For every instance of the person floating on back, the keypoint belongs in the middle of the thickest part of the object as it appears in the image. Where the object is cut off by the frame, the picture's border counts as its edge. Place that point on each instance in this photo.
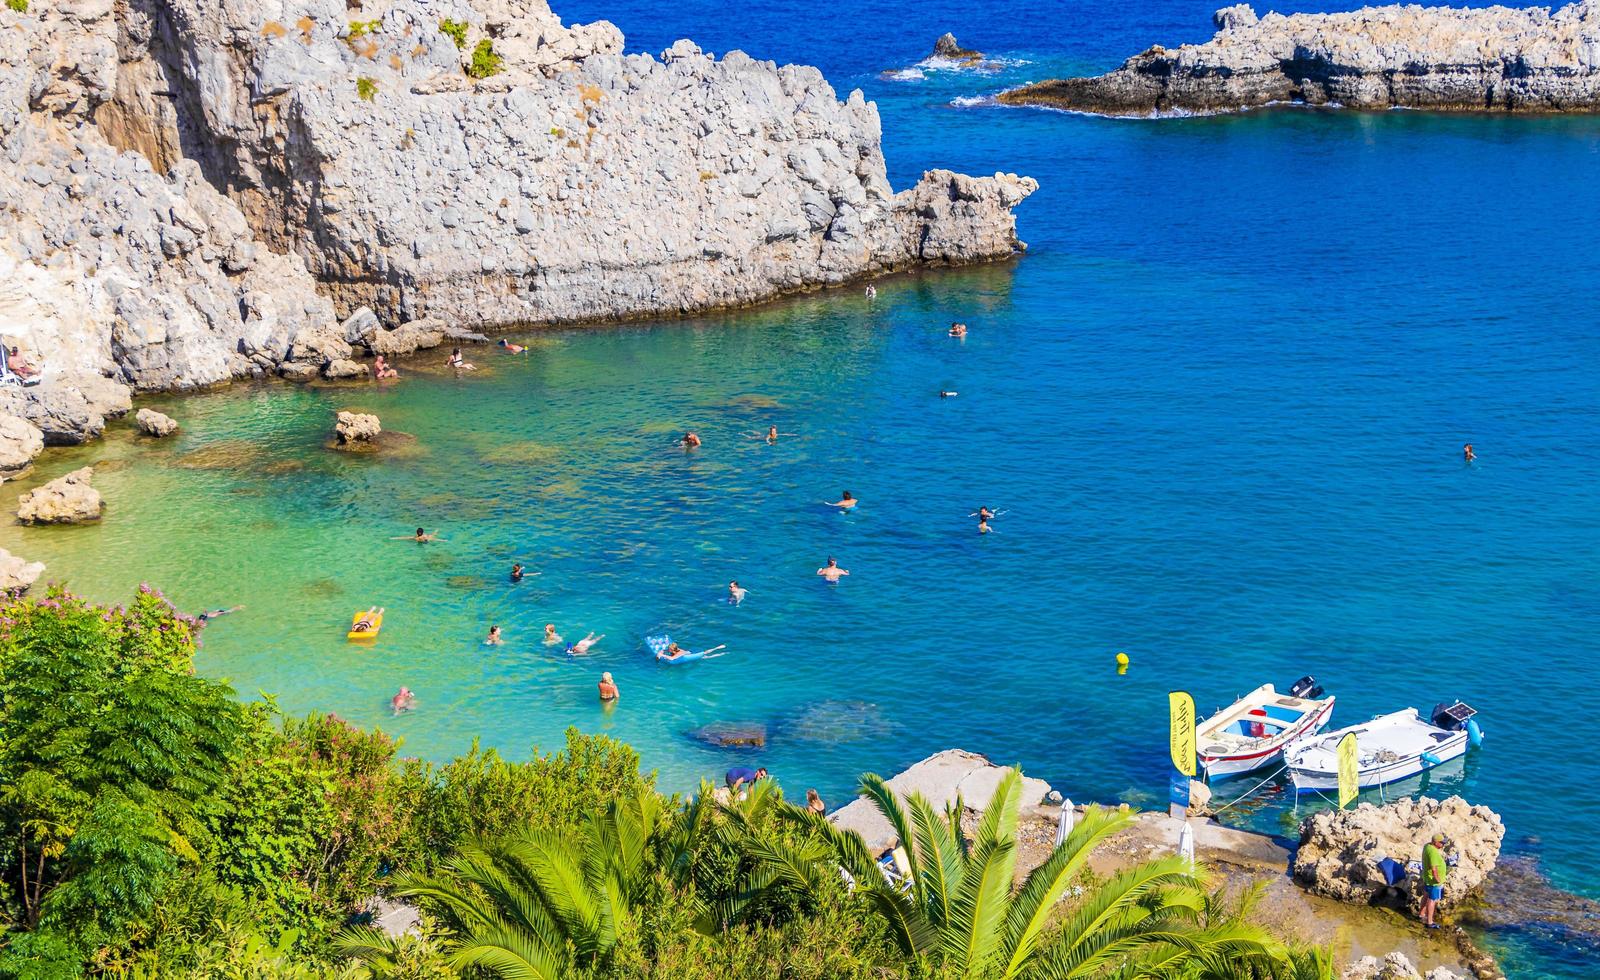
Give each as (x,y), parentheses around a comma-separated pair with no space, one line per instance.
(368,621)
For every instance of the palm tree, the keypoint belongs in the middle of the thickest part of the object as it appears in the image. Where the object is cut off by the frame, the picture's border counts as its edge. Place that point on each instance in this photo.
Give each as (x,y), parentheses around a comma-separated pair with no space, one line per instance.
(961,909)
(524,906)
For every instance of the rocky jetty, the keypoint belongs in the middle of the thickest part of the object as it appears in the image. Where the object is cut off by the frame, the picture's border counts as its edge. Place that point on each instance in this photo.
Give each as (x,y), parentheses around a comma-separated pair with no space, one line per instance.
(67,500)
(355,430)
(1493,59)
(942,778)
(17,574)
(1340,850)
(153,423)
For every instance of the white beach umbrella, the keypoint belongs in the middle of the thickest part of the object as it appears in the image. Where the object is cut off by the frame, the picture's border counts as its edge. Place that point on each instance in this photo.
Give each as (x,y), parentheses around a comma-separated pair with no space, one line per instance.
(1064,826)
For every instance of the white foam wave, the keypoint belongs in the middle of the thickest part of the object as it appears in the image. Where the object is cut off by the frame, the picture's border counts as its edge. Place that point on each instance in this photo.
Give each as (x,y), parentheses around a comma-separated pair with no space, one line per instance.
(968,101)
(905,75)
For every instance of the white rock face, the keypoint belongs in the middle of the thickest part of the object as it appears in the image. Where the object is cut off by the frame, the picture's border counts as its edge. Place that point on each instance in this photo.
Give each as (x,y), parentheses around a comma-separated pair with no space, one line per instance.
(16,574)
(67,500)
(940,778)
(576,184)
(21,442)
(153,423)
(1487,59)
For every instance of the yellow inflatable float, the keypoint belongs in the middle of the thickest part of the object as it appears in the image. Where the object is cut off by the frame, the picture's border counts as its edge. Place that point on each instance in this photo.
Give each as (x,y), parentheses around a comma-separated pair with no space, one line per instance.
(365,625)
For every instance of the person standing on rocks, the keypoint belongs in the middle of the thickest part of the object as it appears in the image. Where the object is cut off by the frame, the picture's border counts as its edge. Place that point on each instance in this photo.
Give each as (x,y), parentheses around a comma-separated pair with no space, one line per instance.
(1434,873)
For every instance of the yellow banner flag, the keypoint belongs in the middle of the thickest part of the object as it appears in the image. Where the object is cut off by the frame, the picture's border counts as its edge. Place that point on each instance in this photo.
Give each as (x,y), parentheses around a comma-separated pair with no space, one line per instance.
(1182,711)
(1349,779)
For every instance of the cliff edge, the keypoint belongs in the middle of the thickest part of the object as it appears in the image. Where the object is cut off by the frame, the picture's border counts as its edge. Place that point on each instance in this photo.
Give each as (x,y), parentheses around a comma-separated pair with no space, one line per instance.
(1495,59)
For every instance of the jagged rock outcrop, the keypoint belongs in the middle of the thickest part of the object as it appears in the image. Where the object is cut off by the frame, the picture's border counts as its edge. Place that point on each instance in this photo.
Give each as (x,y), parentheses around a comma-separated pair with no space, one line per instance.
(1492,59)
(66,500)
(68,409)
(574,184)
(1340,849)
(1395,966)
(21,442)
(351,429)
(947,48)
(154,423)
(17,574)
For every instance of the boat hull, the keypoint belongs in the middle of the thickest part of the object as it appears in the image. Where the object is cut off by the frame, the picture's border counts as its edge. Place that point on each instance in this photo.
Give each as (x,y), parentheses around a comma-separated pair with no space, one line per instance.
(1224,764)
(1321,780)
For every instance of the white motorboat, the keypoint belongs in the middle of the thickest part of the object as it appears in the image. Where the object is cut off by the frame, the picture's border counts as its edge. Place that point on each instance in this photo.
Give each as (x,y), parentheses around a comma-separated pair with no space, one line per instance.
(1389,747)
(1255,729)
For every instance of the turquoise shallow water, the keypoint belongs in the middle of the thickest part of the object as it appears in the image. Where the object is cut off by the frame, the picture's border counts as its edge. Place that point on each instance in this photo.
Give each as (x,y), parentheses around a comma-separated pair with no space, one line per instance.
(1222,402)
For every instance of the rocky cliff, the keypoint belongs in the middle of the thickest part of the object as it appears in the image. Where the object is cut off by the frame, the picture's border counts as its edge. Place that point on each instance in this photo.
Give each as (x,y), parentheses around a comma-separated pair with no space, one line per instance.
(197,190)
(1493,59)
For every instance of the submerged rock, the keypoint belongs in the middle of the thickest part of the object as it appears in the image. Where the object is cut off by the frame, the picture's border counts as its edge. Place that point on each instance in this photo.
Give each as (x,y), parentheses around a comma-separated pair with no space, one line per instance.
(17,574)
(153,423)
(727,735)
(21,442)
(66,500)
(353,428)
(1340,849)
(1494,59)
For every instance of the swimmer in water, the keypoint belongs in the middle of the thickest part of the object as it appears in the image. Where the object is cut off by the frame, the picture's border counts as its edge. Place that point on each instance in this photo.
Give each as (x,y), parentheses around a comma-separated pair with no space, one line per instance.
(772,435)
(511,348)
(381,370)
(832,572)
(455,360)
(581,647)
(958,329)
(948,394)
(608,688)
(421,537)
(516,572)
(494,639)
(403,701)
(872,292)
(983,526)
(211,614)
(845,501)
(551,637)
(736,593)
(689,440)
(673,651)
(1467,453)
(982,513)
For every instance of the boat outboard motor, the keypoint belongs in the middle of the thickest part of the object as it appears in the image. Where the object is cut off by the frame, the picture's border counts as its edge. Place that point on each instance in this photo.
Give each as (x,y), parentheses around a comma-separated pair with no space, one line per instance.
(1457,717)
(1306,687)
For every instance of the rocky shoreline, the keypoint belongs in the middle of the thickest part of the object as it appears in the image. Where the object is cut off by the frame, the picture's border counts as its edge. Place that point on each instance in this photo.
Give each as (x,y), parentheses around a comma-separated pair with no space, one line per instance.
(1525,60)
(200,191)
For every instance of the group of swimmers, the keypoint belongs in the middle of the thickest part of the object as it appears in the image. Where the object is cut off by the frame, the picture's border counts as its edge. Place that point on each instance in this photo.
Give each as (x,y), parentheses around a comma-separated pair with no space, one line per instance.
(382,370)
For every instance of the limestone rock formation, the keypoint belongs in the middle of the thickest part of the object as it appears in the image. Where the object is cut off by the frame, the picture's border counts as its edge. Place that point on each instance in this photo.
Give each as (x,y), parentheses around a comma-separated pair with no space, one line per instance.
(17,574)
(353,428)
(941,778)
(1340,849)
(153,423)
(1395,966)
(1492,59)
(575,183)
(66,500)
(21,442)
(947,48)
(69,409)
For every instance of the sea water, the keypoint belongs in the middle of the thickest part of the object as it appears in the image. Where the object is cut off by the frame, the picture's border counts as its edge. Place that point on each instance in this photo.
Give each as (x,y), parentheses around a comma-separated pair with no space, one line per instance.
(1220,406)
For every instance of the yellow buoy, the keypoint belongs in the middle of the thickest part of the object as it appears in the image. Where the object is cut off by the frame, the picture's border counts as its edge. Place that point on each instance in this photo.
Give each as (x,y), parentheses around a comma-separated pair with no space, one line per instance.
(1122,660)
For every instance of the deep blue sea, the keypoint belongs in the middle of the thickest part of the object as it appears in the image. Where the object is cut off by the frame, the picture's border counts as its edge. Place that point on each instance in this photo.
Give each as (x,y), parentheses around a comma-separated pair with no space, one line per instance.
(1221,403)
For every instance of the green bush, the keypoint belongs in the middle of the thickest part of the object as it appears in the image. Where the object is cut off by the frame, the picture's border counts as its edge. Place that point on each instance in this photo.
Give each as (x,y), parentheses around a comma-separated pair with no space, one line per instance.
(366,88)
(20,6)
(455,30)
(484,61)
(361,28)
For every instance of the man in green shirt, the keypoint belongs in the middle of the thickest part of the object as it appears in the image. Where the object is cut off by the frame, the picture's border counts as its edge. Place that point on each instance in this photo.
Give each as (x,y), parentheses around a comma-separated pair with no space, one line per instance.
(1433,875)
